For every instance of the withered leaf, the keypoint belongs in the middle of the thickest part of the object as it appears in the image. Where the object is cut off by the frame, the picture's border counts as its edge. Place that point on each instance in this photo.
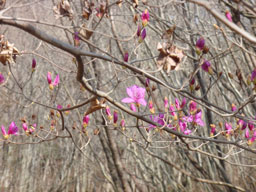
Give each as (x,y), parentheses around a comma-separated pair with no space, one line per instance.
(169,57)
(85,33)
(7,51)
(96,105)
(63,9)
(87,9)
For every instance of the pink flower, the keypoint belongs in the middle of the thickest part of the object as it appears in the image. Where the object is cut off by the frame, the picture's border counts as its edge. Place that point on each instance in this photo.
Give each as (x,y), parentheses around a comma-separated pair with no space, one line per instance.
(1,78)
(207,67)
(49,79)
(145,18)
(59,106)
(158,119)
(247,134)
(126,56)
(253,76)
(228,128)
(200,43)
(33,64)
(178,105)
(136,95)
(32,129)
(108,113)
(13,130)
(213,129)
(192,107)
(86,120)
(196,119)
(228,15)
(115,117)
(25,127)
(233,107)
(182,125)
(250,125)
(187,132)
(172,110)
(142,35)
(122,123)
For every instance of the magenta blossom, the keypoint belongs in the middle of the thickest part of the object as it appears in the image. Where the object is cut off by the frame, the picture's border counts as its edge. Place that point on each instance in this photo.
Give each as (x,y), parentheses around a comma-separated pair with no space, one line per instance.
(142,35)
(253,76)
(192,107)
(158,119)
(13,130)
(122,123)
(1,78)
(195,119)
(200,43)
(33,64)
(172,112)
(145,18)
(213,129)
(207,67)
(228,16)
(247,133)
(136,95)
(233,107)
(228,128)
(178,105)
(108,112)
(49,79)
(126,56)
(115,117)
(86,120)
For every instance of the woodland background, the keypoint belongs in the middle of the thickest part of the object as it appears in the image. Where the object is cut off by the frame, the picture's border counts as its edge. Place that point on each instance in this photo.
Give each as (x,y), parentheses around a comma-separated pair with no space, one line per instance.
(107,158)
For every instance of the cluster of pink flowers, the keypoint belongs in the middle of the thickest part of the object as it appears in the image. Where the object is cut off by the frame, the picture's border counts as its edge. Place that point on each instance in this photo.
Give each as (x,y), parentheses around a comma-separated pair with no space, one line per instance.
(179,121)
(141,31)
(49,79)
(136,97)
(247,129)
(13,129)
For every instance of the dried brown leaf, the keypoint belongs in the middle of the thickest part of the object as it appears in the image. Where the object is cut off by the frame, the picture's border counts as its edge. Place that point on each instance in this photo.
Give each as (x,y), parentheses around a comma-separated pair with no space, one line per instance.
(96,105)
(169,57)
(63,9)
(7,51)
(85,33)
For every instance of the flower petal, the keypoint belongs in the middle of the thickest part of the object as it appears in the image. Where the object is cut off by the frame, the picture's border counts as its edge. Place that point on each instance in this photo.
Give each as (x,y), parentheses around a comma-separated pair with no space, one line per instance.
(142,101)
(49,78)
(128,100)
(56,81)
